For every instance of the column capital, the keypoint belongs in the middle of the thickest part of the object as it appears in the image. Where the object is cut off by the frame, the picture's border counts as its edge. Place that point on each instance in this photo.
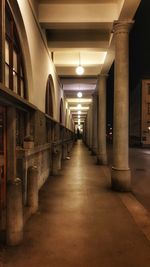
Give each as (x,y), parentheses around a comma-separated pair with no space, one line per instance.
(102,76)
(122,26)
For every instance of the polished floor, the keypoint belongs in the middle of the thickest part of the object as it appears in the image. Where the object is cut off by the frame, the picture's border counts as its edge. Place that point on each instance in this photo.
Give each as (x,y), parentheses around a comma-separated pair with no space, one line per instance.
(81,222)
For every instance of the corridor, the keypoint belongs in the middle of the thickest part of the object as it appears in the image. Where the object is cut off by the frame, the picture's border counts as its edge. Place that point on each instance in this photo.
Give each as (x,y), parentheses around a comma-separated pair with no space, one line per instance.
(80,222)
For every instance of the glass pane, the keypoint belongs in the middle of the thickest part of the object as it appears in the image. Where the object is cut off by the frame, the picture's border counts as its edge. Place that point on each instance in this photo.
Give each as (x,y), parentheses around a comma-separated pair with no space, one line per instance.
(7,52)
(22,88)
(6,76)
(15,82)
(21,72)
(15,61)
(8,24)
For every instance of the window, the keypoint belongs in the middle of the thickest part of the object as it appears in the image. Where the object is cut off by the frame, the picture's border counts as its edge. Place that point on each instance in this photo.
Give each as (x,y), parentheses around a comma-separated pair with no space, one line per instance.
(14,68)
(148,108)
(49,96)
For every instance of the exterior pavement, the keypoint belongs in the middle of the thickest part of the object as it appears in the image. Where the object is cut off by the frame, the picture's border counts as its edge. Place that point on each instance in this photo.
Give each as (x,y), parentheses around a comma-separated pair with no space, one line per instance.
(140,170)
(81,222)
(139,161)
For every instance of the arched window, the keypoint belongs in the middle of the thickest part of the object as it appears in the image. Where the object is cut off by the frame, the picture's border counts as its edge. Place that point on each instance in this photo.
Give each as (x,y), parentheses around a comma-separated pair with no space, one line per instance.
(49,96)
(14,66)
(61,112)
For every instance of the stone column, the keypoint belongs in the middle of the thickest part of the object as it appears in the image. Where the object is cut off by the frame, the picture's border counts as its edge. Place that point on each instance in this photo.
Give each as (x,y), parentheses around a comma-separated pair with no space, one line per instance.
(86,127)
(55,161)
(90,127)
(60,158)
(11,143)
(14,213)
(102,153)
(64,151)
(121,179)
(32,189)
(94,125)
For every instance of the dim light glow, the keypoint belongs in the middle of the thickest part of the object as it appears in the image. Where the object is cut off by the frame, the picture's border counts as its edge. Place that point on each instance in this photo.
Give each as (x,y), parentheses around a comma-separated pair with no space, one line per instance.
(79,106)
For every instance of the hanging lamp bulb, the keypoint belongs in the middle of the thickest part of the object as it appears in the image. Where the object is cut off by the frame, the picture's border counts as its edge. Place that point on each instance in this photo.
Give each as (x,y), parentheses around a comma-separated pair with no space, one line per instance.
(79,70)
(79,94)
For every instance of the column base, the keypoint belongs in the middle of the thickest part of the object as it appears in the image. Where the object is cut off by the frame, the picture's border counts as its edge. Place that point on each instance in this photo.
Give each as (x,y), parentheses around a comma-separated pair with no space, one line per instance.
(121,180)
(14,239)
(102,160)
(93,151)
(14,214)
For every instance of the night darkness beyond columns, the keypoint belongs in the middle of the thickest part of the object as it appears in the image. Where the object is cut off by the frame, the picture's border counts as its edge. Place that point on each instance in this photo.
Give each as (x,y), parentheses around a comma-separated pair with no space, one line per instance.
(102,152)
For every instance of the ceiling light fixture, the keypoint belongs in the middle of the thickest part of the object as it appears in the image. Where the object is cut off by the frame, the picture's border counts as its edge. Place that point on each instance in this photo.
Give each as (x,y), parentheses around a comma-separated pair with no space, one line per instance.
(79,94)
(79,69)
(79,112)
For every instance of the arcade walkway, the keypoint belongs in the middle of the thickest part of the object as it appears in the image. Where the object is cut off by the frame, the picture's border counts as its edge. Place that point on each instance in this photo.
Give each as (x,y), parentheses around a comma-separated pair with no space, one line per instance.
(81,223)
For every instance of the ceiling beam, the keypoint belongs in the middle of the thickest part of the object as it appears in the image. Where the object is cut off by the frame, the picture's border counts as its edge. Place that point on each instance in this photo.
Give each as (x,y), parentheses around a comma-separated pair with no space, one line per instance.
(66,13)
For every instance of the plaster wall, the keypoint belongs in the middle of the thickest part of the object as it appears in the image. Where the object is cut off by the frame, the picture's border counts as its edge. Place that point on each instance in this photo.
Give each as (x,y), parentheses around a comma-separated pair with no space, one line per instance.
(34,4)
(41,63)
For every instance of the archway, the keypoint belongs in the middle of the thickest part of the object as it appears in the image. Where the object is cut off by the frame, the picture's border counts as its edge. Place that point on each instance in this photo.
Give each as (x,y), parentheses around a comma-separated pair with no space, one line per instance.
(49,96)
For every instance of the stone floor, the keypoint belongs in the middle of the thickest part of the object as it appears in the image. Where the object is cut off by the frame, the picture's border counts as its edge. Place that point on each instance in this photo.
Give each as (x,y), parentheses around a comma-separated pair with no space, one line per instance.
(81,222)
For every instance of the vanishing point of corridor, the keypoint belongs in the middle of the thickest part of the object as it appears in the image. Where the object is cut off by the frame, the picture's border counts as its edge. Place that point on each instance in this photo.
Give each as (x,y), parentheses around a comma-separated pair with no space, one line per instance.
(80,222)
